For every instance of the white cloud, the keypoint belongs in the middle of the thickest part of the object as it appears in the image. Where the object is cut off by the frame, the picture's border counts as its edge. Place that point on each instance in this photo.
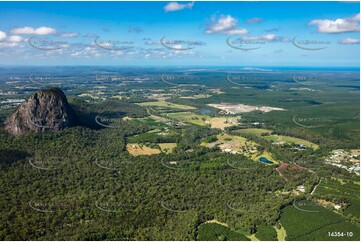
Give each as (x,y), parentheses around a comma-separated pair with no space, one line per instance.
(225,25)
(174,6)
(86,52)
(349,41)
(15,38)
(2,35)
(30,30)
(69,35)
(267,37)
(337,26)
(8,44)
(237,31)
(356,18)
(178,47)
(152,43)
(10,41)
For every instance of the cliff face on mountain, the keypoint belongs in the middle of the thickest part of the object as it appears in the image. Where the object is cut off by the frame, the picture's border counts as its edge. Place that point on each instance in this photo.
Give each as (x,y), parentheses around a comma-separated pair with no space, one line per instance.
(43,111)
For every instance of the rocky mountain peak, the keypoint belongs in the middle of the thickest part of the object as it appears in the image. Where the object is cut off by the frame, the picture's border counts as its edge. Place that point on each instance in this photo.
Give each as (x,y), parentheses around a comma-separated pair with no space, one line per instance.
(43,111)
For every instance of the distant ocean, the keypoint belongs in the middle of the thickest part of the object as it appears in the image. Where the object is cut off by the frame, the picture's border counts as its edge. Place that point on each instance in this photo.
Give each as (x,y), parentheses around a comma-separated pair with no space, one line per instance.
(293,68)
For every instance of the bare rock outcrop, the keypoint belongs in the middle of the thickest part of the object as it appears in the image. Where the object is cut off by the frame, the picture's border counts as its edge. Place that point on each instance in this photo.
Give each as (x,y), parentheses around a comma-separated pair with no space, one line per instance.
(44,111)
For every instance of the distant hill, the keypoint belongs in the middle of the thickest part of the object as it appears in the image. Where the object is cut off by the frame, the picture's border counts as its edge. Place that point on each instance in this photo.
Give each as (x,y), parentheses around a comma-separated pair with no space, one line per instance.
(43,111)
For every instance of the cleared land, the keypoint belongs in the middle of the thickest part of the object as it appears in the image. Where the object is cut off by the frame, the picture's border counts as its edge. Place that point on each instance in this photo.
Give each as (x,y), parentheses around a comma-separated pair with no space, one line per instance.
(167,147)
(160,96)
(152,120)
(243,108)
(198,96)
(136,150)
(214,122)
(341,191)
(281,233)
(233,144)
(254,131)
(288,139)
(167,105)
(188,117)
(266,155)
(216,91)
(239,145)
(222,122)
(291,172)
(215,221)
(266,134)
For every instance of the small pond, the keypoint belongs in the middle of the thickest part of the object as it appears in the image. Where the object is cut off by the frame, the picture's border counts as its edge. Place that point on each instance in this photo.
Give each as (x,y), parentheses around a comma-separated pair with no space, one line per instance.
(205,111)
(265,160)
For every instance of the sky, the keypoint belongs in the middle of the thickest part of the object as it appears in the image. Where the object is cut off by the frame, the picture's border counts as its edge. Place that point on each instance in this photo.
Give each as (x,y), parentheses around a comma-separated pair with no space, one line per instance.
(302,34)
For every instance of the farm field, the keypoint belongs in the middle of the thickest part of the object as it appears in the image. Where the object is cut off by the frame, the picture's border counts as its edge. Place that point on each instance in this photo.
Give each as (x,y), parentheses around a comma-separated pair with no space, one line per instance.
(202,120)
(198,96)
(167,147)
(152,120)
(266,134)
(328,233)
(221,122)
(136,150)
(167,105)
(345,194)
(188,117)
(288,139)
(163,135)
(230,143)
(253,131)
(301,224)
(239,145)
(142,148)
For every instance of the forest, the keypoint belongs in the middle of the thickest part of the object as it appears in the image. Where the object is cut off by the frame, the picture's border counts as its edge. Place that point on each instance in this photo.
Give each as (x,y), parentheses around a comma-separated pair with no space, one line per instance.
(138,198)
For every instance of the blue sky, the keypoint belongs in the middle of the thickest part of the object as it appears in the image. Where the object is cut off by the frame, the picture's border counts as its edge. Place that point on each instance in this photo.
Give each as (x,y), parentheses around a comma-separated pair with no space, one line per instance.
(180,33)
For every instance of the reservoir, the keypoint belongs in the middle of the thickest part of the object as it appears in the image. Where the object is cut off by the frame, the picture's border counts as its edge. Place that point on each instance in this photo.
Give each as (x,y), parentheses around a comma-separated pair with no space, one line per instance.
(205,111)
